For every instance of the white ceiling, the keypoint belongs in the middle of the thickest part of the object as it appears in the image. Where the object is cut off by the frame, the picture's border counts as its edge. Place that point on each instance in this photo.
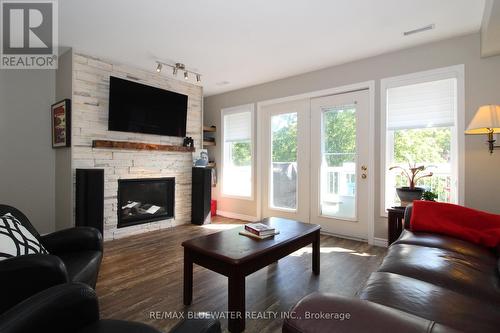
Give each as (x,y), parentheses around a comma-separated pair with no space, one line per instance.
(255,41)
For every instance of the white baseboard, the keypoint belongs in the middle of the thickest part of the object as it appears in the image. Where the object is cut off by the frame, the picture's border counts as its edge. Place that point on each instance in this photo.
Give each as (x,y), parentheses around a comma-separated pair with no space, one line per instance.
(237,216)
(357,239)
(380,242)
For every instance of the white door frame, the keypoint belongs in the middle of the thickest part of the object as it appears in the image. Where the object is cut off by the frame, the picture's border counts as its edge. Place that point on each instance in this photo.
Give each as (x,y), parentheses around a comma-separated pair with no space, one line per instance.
(370,85)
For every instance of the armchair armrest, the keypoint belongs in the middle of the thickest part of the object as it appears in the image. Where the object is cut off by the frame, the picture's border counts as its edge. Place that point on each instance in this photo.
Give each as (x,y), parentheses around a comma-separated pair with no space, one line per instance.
(24,276)
(72,240)
(62,308)
(334,314)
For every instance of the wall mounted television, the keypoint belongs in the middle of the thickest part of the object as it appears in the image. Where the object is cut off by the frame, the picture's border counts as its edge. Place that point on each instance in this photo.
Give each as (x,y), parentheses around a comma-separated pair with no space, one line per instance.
(135,107)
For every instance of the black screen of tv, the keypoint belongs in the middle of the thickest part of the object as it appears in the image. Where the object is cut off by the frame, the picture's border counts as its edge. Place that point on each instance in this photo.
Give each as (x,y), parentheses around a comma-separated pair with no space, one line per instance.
(135,107)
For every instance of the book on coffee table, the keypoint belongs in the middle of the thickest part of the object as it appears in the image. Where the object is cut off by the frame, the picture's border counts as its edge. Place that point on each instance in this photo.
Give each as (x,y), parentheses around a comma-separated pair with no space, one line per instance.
(259,229)
(249,234)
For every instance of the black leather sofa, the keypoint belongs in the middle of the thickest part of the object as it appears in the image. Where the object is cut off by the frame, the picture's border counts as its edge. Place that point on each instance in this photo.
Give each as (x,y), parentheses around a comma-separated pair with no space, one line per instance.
(75,255)
(74,308)
(426,283)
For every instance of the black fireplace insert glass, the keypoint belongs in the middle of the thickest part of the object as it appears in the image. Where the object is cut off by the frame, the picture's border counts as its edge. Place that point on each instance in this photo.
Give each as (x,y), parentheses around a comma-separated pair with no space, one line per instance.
(145,200)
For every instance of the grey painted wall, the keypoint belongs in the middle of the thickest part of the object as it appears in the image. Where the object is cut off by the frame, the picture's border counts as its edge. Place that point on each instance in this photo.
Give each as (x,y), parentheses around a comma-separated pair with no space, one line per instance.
(482,86)
(26,155)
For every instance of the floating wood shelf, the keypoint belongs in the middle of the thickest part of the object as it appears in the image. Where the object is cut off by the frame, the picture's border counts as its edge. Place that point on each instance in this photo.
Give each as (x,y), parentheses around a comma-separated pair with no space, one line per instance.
(208,143)
(209,129)
(139,146)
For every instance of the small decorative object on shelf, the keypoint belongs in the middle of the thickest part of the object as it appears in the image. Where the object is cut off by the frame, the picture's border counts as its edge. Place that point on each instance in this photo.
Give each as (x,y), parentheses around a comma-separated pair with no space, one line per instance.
(413,174)
(429,196)
(188,142)
(200,158)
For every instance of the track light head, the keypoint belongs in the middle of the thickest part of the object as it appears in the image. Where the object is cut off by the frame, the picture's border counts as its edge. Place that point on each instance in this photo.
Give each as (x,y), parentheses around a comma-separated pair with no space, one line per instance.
(178,67)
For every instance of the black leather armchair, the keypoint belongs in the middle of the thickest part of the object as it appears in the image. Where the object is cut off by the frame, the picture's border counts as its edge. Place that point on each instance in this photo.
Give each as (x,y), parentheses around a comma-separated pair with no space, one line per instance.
(74,256)
(73,307)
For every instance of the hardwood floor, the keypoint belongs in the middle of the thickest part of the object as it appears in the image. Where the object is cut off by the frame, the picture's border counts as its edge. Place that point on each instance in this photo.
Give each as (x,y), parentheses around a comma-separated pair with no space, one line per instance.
(143,274)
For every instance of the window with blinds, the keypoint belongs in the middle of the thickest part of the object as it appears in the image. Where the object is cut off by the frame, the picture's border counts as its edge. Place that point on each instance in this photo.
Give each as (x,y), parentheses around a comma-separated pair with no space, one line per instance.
(421,129)
(237,132)
(422,105)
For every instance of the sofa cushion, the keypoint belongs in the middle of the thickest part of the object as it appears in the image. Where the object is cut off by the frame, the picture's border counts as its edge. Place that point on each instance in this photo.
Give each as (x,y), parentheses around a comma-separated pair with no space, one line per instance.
(448,269)
(320,312)
(82,266)
(445,242)
(432,302)
(16,240)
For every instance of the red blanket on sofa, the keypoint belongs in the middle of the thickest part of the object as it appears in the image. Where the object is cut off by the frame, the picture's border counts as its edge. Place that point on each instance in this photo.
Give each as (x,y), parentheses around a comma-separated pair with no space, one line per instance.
(457,221)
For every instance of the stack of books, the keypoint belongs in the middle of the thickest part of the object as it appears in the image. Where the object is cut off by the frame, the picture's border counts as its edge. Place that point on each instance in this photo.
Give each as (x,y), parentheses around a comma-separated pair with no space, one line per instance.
(259,231)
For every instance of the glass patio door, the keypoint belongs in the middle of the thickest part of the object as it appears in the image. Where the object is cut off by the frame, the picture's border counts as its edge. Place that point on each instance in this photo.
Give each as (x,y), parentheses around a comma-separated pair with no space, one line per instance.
(339,163)
(285,160)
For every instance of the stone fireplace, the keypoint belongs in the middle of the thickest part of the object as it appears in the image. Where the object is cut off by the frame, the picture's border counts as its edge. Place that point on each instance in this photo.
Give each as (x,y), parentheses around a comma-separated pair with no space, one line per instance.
(145,200)
(167,173)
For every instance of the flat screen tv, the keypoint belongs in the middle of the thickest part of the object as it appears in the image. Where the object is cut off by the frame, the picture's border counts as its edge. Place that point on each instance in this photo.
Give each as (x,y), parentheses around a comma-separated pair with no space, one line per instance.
(135,107)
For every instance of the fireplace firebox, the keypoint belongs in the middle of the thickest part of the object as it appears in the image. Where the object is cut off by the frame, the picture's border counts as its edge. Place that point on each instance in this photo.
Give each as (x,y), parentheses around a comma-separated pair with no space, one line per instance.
(145,200)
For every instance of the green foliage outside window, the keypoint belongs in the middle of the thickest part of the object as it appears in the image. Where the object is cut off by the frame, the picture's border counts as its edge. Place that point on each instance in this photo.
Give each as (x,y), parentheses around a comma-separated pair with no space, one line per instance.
(428,145)
(241,153)
(423,146)
(340,136)
(285,140)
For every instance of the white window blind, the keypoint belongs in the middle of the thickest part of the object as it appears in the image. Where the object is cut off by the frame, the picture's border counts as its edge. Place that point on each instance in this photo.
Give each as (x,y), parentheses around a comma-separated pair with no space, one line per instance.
(422,105)
(238,127)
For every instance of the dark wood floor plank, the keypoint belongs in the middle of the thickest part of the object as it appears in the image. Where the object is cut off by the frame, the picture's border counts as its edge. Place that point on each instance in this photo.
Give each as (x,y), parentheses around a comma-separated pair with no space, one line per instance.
(144,273)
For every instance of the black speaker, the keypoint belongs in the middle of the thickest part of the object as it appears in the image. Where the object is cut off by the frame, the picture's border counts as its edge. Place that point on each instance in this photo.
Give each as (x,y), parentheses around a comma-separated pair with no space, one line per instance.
(201,195)
(89,208)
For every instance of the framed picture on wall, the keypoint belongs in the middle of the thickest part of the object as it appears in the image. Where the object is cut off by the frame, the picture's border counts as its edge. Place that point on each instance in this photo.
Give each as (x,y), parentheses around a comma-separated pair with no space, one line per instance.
(61,124)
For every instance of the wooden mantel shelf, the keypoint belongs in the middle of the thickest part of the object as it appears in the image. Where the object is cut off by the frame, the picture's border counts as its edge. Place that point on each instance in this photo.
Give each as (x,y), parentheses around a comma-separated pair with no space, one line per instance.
(139,146)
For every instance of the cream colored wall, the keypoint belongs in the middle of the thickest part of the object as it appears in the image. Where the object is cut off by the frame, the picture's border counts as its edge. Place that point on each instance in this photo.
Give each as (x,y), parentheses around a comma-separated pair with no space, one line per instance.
(482,86)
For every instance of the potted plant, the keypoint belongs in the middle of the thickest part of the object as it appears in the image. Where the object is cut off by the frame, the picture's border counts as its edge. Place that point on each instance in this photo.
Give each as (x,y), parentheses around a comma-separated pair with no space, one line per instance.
(429,196)
(413,174)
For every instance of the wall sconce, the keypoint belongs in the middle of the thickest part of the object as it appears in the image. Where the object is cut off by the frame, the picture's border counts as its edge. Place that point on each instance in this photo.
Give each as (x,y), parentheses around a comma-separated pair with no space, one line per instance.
(486,121)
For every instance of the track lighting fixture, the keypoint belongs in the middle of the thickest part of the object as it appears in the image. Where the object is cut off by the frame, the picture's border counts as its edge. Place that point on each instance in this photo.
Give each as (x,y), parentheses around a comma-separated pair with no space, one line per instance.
(175,69)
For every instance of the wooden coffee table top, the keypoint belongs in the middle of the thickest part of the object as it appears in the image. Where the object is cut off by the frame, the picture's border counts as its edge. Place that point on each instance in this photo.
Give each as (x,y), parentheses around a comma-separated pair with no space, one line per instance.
(233,248)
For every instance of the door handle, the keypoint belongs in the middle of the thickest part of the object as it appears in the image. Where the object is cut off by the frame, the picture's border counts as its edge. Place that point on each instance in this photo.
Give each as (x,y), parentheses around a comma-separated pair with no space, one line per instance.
(364,168)
(363,175)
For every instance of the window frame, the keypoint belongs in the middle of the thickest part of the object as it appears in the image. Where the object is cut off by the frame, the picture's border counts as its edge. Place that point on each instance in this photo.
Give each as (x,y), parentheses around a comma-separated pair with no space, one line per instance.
(458,138)
(233,110)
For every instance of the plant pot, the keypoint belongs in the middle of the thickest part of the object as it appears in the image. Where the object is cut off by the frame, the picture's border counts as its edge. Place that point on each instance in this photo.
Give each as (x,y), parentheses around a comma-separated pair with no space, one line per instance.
(407,195)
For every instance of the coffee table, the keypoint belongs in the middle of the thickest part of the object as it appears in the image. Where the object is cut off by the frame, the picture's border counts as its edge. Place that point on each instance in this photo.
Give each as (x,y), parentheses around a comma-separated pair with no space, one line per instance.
(236,256)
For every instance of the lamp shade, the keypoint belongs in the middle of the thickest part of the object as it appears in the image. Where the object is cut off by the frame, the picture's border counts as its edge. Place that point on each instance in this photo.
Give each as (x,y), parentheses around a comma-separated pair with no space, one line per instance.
(486,120)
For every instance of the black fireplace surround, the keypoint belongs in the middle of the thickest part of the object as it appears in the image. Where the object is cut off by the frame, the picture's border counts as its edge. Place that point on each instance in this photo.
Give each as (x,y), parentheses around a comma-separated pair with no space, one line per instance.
(145,200)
